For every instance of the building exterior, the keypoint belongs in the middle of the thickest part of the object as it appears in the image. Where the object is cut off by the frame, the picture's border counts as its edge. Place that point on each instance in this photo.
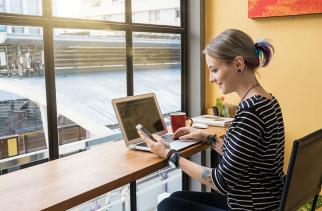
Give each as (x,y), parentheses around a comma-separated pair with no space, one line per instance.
(90,70)
(76,51)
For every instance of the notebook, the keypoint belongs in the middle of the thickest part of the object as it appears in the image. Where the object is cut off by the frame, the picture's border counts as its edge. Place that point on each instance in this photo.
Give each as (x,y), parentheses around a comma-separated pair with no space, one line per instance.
(213,120)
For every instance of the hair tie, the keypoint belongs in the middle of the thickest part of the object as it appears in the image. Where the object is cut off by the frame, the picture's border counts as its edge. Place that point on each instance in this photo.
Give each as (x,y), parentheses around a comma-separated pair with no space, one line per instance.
(257,52)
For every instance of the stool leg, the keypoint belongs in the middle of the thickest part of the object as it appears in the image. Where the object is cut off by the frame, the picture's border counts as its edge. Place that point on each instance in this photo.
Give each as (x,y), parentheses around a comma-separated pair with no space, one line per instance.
(315,199)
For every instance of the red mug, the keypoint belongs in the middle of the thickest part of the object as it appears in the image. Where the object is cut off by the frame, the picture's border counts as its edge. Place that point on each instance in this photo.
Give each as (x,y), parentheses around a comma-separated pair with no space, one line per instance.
(178,120)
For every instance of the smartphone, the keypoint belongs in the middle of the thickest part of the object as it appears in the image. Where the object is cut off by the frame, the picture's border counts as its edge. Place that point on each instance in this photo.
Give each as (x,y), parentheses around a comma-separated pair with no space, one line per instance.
(145,132)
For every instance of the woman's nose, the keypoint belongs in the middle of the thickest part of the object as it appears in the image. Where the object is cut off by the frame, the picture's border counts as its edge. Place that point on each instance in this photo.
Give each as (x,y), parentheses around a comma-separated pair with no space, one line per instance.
(212,79)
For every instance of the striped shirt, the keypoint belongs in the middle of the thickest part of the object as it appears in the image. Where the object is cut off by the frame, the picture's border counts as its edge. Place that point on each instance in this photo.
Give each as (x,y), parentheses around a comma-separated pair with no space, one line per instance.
(251,170)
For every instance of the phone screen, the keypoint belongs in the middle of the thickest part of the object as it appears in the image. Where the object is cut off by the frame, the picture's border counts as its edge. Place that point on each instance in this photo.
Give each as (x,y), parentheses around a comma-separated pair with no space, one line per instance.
(145,132)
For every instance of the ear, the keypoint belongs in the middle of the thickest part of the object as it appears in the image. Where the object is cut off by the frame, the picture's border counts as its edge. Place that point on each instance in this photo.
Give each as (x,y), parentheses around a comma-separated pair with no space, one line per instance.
(239,63)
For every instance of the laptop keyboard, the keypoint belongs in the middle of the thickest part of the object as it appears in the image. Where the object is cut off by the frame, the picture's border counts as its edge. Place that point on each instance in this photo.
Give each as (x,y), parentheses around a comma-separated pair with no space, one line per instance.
(142,144)
(168,137)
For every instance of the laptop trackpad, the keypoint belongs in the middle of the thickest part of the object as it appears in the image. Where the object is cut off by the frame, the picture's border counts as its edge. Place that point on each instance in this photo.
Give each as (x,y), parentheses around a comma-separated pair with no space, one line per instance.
(177,145)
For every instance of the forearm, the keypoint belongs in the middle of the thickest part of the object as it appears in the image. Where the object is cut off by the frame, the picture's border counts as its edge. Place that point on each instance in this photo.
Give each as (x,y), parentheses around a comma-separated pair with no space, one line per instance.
(198,172)
(218,145)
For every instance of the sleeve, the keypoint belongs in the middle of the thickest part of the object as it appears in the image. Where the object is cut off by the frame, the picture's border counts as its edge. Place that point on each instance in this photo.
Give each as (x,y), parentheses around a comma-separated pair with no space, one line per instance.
(241,140)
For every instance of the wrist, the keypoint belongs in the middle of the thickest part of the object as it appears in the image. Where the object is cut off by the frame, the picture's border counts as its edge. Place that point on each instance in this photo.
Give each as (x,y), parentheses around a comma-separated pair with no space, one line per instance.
(173,159)
(168,153)
(211,139)
(205,136)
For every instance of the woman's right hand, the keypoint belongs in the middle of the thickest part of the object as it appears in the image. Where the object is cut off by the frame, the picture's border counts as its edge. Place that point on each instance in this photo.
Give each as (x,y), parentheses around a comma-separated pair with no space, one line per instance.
(190,133)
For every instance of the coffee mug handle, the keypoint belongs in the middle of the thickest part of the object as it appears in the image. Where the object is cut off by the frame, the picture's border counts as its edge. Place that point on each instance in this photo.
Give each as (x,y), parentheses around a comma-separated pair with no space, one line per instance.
(191,121)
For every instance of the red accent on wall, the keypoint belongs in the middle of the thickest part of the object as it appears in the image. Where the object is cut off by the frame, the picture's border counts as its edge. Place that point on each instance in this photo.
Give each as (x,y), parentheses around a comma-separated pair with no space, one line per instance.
(268,8)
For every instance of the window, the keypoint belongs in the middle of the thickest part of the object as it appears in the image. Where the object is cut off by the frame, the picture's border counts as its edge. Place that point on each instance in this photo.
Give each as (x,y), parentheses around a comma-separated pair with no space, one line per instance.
(27,7)
(96,3)
(117,2)
(33,7)
(90,69)
(22,98)
(90,9)
(154,16)
(15,6)
(2,5)
(91,66)
(34,30)
(177,13)
(157,64)
(88,61)
(156,12)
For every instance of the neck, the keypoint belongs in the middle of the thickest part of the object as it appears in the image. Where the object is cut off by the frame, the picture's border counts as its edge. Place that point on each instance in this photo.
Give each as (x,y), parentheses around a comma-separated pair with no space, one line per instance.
(246,84)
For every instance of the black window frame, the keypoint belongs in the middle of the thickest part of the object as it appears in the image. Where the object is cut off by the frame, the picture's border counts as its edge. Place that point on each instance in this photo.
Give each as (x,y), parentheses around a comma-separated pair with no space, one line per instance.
(48,23)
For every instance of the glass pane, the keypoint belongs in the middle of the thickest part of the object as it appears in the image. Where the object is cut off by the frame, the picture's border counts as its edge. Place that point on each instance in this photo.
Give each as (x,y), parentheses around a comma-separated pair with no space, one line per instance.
(109,10)
(150,190)
(2,6)
(23,109)
(90,68)
(29,7)
(158,12)
(157,186)
(157,68)
(116,200)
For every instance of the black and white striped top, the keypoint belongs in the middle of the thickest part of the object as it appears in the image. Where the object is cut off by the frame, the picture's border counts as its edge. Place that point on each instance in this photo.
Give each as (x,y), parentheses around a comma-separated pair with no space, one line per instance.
(251,170)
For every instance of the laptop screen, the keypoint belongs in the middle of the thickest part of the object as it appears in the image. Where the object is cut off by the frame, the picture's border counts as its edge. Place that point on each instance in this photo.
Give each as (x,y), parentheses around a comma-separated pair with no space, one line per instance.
(142,111)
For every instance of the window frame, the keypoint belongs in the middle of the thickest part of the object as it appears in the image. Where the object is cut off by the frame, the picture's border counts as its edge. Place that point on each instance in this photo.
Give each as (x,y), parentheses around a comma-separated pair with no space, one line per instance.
(48,23)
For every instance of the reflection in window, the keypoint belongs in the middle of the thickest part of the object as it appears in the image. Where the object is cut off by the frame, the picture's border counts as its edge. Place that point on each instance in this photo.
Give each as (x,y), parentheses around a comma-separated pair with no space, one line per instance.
(177,13)
(156,12)
(34,30)
(15,6)
(109,10)
(157,65)
(33,7)
(90,67)
(28,7)
(22,94)
(2,5)
(154,16)
(21,126)
(17,30)
(96,3)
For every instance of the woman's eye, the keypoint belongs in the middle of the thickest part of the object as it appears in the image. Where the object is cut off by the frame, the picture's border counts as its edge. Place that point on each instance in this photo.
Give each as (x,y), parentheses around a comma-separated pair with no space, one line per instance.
(213,70)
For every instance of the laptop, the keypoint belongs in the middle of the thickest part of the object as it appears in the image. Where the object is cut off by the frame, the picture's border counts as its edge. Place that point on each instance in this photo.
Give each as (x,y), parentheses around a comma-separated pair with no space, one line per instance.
(143,109)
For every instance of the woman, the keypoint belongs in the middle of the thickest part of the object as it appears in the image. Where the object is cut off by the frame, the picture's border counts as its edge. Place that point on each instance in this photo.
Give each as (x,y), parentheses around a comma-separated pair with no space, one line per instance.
(250,174)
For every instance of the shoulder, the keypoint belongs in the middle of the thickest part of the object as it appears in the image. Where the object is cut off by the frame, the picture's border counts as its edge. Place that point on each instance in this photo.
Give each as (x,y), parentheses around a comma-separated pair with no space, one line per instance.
(258,108)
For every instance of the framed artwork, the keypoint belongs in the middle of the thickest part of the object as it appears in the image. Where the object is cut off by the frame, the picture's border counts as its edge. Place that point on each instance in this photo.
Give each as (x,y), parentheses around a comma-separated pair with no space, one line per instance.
(269,8)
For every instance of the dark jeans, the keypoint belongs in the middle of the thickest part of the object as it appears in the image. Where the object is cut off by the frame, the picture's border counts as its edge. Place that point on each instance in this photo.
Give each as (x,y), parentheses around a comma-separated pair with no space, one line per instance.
(194,201)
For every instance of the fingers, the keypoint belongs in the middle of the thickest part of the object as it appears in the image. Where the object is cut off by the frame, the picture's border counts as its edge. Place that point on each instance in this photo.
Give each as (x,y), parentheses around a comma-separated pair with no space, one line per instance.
(191,136)
(156,137)
(186,137)
(146,140)
(160,140)
(180,132)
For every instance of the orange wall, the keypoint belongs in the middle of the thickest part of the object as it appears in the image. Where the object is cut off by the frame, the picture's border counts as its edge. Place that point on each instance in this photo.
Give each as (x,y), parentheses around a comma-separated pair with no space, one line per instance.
(294,75)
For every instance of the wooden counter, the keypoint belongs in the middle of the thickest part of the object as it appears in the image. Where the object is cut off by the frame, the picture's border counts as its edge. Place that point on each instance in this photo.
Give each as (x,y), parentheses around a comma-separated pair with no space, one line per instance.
(67,182)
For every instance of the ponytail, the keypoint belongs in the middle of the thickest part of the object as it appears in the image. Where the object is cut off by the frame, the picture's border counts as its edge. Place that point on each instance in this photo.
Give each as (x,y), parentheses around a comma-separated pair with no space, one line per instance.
(264,51)
(233,42)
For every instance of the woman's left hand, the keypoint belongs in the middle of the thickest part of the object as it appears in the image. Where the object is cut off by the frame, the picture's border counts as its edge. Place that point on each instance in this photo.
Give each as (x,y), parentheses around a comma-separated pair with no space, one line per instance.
(160,148)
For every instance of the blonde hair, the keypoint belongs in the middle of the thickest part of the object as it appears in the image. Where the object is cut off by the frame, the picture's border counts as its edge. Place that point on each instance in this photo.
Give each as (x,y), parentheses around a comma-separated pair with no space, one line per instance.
(232,42)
